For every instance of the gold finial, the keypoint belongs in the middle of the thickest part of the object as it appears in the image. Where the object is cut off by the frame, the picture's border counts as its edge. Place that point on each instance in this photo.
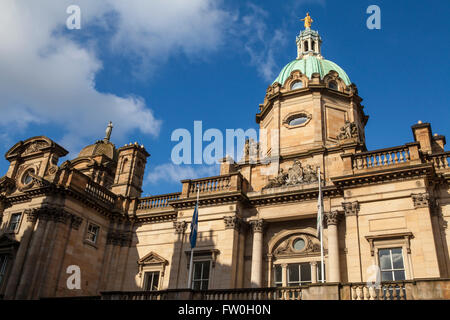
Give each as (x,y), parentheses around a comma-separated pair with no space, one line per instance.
(308,21)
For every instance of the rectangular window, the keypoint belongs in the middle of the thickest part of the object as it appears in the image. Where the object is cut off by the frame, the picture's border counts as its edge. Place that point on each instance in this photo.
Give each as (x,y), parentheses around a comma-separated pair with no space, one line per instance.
(200,277)
(391,264)
(92,233)
(151,281)
(319,272)
(278,276)
(3,264)
(299,274)
(14,222)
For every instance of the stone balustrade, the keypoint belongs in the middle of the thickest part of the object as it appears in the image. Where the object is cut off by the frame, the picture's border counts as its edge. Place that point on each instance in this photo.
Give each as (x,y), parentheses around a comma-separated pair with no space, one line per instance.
(417,289)
(381,158)
(441,161)
(159,201)
(211,185)
(385,291)
(100,193)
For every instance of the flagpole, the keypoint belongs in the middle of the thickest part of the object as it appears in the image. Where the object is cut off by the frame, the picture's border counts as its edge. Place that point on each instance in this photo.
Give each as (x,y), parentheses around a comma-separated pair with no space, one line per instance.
(322,271)
(192,249)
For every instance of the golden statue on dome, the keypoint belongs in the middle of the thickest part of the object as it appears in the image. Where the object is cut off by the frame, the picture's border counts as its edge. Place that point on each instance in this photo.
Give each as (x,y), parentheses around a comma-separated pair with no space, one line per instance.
(308,21)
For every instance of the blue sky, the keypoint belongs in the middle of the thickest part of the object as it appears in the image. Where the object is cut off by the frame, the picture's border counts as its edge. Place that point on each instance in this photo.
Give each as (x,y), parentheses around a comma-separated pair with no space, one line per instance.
(154,66)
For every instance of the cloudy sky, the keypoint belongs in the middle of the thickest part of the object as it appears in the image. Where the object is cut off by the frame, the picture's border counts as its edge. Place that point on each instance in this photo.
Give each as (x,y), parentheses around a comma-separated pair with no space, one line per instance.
(154,66)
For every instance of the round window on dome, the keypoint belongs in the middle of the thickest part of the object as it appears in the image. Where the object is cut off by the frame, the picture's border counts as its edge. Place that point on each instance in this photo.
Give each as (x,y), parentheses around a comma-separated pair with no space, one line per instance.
(297,85)
(299,244)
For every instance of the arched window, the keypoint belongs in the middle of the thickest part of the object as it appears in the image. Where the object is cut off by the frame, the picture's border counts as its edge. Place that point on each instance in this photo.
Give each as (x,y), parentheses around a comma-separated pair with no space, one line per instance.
(306,46)
(313,44)
(297,85)
(124,164)
(333,85)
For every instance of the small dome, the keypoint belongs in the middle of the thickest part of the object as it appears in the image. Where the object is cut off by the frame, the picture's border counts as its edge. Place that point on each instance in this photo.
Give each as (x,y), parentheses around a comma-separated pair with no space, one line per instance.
(309,65)
(101,147)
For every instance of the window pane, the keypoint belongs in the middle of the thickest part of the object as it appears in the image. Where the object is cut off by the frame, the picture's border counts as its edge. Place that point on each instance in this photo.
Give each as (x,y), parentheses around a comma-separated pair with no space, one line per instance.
(278,274)
(155,280)
(297,85)
(293,273)
(305,272)
(205,285)
(386,276)
(385,259)
(299,244)
(197,285)
(197,271)
(319,271)
(205,270)
(297,121)
(399,275)
(397,258)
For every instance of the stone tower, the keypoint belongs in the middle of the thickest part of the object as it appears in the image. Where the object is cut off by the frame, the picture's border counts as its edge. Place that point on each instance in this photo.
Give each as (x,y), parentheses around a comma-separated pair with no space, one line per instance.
(129,176)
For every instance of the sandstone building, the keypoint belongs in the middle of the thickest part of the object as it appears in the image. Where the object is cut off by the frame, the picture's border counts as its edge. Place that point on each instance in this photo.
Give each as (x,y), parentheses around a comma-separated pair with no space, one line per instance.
(385,210)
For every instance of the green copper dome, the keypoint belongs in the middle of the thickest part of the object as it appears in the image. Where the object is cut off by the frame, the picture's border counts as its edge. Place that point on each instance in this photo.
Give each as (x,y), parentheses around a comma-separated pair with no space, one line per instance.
(309,65)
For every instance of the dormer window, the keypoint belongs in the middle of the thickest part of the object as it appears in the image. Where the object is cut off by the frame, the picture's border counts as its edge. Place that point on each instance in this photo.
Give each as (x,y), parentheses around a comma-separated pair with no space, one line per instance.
(297,85)
(333,85)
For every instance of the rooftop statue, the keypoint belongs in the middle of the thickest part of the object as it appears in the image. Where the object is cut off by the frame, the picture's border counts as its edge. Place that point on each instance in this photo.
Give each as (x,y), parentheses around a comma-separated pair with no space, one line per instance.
(308,21)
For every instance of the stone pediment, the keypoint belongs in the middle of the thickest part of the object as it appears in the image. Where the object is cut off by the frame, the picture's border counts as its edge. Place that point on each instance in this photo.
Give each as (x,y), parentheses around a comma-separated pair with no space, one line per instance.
(33,146)
(152,258)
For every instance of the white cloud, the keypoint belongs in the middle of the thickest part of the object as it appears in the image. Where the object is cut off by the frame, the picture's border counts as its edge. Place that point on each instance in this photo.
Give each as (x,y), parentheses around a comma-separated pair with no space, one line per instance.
(168,172)
(47,77)
(262,43)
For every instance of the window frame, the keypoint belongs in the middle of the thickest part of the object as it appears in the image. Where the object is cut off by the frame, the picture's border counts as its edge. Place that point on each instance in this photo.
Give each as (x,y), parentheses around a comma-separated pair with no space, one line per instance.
(87,233)
(18,223)
(201,280)
(3,267)
(392,270)
(300,282)
(152,272)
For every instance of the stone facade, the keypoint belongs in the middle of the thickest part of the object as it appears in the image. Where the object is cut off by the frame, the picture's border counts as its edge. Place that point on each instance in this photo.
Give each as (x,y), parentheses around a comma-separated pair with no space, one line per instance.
(255,225)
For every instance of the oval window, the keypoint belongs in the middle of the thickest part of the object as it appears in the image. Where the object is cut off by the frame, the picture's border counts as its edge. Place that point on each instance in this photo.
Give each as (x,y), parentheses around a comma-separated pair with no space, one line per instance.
(299,244)
(301,119)
(297,85)
(27,178)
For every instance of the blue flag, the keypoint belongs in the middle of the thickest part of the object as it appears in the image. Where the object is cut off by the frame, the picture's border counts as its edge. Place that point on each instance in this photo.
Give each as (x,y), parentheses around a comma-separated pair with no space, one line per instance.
(194,228)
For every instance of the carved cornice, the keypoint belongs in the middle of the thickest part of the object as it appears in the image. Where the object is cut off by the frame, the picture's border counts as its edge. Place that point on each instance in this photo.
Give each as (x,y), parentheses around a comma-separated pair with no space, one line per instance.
(333,217)
(180,227)
(383,175)
(156,218)
(209,200)
(293,196)
(257,225)
(351,208)
(53,213)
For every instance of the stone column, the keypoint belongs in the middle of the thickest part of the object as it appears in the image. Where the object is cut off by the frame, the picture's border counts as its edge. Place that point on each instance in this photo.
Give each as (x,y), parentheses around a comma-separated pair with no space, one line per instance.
(352,240)
(230,253)
(333,246)
(175,268)
(314,272)
(16,270)
(284,274)
(256,275)
(31,258)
